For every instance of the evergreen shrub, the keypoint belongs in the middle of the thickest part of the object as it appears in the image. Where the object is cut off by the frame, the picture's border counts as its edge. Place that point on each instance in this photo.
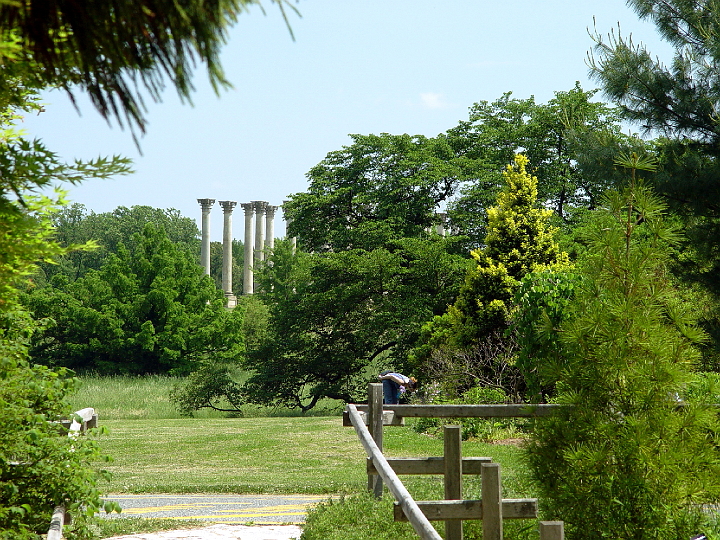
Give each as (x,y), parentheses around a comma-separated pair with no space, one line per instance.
(634,455)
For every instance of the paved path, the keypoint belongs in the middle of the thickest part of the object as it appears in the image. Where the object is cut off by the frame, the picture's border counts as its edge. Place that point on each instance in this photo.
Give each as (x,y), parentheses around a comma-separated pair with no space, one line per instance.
(233,517)
(223,532)
(213,508)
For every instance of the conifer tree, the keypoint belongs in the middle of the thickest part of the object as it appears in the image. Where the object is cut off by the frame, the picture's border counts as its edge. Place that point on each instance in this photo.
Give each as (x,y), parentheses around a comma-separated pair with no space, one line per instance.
(519,241)
(632,456)
(679,98)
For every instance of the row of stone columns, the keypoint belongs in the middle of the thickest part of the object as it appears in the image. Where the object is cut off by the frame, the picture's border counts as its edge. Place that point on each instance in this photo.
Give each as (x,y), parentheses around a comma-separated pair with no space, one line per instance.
(264,215)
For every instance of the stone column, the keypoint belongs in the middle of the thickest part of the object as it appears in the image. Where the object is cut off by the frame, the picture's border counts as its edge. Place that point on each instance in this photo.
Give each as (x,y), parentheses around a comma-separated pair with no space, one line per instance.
(206,206)
(228,207)
(270,227)
(260,207)
(249,209)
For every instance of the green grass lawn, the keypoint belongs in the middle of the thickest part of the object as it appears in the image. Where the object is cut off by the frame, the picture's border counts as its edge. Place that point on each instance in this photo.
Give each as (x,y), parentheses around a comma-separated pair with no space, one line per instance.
(156,451)
(259,455)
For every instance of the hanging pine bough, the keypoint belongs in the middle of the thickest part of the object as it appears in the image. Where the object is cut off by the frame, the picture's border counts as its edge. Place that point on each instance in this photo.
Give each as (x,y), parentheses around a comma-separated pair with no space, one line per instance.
(112,49)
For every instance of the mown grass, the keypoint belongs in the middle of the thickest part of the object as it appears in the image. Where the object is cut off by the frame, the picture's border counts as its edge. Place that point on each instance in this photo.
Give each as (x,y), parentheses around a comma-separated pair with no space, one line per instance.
(125,397)
(156,451)
(256,455)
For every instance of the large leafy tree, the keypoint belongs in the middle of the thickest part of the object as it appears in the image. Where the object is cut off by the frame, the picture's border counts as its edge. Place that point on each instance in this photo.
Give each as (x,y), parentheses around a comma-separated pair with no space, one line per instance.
(388,186)
(379,188)
(148,309)
(336,319)
(570,142)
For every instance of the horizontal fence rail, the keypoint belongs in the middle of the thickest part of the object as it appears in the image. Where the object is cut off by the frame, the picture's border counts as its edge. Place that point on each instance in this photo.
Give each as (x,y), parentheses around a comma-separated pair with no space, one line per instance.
(514,410)
(368,421)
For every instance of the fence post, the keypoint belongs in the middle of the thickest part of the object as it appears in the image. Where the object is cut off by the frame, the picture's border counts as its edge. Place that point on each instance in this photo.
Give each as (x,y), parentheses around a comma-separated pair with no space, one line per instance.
(492,520)
(375,426)
(552,530)
(452,454)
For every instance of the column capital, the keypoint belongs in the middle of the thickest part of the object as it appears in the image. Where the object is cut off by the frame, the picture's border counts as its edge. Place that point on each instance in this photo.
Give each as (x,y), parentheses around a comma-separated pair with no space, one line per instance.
(206,204)
(260,206)
(271,210)
(248,207)
(228,206)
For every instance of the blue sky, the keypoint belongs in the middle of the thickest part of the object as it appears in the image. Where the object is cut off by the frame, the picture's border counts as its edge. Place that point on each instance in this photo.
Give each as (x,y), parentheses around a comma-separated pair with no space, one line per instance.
(363,66)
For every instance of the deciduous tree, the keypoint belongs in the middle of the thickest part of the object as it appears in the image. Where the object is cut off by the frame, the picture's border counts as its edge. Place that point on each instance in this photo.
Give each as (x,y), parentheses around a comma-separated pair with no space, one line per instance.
(379,188)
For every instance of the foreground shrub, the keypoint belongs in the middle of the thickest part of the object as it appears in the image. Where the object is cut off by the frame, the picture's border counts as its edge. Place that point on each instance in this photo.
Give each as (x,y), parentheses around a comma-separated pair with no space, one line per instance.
(40,466)
(634,455)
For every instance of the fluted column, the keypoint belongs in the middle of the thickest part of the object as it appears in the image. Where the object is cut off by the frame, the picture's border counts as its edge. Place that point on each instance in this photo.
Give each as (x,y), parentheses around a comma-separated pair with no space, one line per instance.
(260,207)
(227,207)
(270,226)
(249,209)
(206,206)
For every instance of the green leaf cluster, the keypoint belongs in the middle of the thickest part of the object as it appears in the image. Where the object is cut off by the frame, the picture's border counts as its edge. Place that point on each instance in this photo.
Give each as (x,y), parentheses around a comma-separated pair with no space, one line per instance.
(570,143)
(542,301)
(379,188)
(40,466)
(74,224)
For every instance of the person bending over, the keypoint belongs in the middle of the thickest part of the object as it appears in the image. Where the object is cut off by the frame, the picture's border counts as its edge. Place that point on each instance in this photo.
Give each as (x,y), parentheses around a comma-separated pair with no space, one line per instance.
(395,384)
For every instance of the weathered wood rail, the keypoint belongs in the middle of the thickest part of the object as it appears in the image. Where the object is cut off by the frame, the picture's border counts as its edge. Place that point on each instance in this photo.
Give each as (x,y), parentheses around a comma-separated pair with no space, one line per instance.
(88,419)
(491,509)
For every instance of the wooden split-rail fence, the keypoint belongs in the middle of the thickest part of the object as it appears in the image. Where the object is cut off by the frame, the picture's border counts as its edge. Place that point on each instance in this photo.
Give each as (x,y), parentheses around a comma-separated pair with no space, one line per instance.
(368,421)
(82,420)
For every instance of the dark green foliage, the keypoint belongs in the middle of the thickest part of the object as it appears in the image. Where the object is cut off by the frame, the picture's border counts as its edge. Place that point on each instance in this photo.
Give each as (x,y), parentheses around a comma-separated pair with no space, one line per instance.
(389,186)
(148,309)
(337,318)
(74,224)
(634,456)
(570,142)
(542,305)
(38,470)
